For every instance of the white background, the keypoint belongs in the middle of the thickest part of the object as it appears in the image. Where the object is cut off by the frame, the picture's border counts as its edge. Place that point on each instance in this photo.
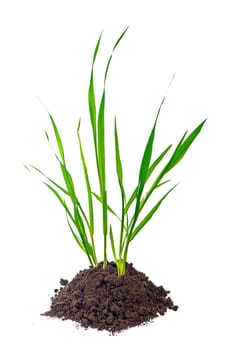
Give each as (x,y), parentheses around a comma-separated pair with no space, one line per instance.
(45,51)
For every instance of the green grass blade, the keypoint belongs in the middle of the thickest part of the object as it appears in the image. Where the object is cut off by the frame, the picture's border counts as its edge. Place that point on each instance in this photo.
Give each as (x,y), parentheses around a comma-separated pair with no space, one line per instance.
(74,235)
(145,162)
(92,108)
(144,169)
(155,185)
(87,181)
(84,245)
(143,172)
(119,171)
(96,49)
(119,168)
(81,229)
(162,183)
(112,243)
(77,222)
(120,38)
(176,157)
(68,182)
(58,139)
(47,136)
(66,174)
(149,215)
(61,200)
(131,199)
(91,95)
(101,144)
(101,171)
(27,167)
(101,120)
(108,207)
(114,47)
(48,139)
(157,161)
(183,147)
(150,170)
(50,180)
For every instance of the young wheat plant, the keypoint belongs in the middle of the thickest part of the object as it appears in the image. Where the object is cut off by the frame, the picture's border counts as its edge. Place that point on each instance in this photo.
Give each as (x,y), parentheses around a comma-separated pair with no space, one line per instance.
(81,221)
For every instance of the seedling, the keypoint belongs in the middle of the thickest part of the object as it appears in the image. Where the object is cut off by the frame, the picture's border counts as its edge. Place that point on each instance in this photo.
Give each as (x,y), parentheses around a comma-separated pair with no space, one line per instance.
(81,222)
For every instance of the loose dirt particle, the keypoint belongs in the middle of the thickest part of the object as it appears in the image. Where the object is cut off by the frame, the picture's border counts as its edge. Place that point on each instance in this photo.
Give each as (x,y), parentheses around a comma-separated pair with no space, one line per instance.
(63,282)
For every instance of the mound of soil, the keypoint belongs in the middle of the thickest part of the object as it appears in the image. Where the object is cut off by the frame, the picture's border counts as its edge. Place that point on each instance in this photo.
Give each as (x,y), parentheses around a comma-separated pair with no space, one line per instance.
(98,298)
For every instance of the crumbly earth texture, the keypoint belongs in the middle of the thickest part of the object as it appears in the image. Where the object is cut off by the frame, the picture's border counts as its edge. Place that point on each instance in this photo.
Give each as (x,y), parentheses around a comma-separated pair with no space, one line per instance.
(98,298)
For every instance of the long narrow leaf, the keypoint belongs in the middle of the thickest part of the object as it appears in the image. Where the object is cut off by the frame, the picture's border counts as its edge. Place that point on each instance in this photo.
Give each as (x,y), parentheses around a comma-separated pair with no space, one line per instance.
(58,138)
(74,235)
(143,172)
(74,219)
(101,121)
(101,143)
(49,179)
(183,147)
(163,183)
(87,181)
(120,38)
(149,215)
(81,230)
(62,201)
(114,47)
(91,95)
(144,169)
(178,154)
(155,185)
(145,162)
(68,182)
(76,222)
(112,243)
(150,170)
(71,189)
(96,49)
(85,245)
(101,171)
(119,171)
(101,115)
(119,168)
(56,155)
(157,161)
(108,207)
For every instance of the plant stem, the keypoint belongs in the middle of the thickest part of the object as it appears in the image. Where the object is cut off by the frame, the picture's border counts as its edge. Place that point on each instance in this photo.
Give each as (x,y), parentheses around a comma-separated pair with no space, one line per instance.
(121,230)
(94,251)
(105,228)
(105,252)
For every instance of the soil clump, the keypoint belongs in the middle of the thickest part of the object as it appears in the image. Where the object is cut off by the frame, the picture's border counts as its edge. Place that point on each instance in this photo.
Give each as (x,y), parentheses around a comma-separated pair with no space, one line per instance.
(98,298)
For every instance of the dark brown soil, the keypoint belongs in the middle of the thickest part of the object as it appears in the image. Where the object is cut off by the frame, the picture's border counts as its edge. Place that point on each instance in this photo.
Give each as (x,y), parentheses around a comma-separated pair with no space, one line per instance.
(98,298)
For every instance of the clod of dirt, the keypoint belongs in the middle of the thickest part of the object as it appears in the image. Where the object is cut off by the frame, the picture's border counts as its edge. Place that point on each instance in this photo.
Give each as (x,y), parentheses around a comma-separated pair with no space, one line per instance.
(63,282)
(98,298)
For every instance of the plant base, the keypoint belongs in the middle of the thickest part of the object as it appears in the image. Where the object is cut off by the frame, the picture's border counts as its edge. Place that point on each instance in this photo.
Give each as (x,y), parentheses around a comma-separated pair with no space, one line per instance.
(98,298)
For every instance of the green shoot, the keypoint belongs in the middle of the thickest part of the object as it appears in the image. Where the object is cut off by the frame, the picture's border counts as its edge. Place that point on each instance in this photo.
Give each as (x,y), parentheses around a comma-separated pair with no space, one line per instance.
(81,222)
